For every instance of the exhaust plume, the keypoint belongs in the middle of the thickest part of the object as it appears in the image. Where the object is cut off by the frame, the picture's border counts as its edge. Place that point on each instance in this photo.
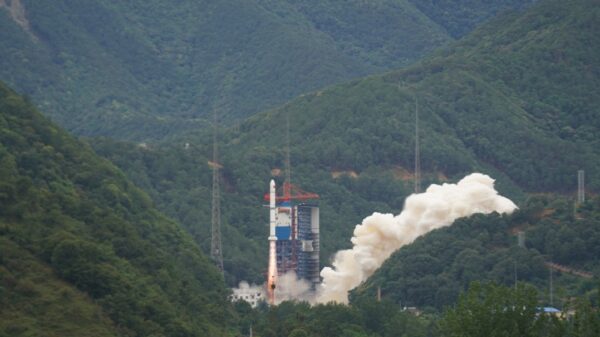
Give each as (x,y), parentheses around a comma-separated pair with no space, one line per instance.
(291,288)
(380,235)
(288,288)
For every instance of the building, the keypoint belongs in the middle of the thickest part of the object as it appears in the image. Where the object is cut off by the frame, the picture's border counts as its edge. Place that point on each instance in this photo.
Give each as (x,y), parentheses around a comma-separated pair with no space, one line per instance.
(251,294)
(308,244)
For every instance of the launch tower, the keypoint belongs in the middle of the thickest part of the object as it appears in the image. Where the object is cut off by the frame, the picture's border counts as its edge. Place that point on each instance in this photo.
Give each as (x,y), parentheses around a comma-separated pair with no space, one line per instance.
(294,236)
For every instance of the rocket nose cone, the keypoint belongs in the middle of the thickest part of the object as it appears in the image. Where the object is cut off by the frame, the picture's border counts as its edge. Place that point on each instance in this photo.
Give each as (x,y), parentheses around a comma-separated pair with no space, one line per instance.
(272,183)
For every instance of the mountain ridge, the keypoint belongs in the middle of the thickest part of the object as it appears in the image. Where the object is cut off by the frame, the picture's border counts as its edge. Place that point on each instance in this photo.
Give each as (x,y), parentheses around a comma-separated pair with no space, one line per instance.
(104,68)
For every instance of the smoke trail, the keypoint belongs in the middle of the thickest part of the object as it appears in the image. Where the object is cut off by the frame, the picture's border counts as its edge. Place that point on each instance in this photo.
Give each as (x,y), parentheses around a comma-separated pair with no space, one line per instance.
(381,234)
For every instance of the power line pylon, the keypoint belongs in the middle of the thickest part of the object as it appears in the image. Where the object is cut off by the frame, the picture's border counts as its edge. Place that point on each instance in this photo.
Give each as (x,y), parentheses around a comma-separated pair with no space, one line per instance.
(288,164)
(417,150)
(287,190)
(215,243)
(580,187)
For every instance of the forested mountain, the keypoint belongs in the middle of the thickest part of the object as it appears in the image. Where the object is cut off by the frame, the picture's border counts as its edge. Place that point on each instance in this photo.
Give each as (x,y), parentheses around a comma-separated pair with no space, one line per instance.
(498,100)
(83,251)
(146,69)
(531,129)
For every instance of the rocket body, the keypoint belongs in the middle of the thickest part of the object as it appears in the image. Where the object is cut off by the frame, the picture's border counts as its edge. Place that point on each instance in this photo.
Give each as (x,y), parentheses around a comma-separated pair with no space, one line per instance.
(272,269)
(272,211)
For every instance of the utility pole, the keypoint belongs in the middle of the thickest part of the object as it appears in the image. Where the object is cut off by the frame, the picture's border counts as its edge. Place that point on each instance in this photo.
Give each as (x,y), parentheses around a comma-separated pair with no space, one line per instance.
(287,191)
(551,288)
(215,243)
(417,150)
(288,164)
(580,187)
(580,193)
(515,274)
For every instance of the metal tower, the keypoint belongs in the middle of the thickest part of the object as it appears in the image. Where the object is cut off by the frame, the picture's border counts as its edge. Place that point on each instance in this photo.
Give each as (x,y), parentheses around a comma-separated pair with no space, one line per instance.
(288,164)
(215,243)
(417,150)
(287,191)
(516,277)
(551,288)
(580,187)
(521,239)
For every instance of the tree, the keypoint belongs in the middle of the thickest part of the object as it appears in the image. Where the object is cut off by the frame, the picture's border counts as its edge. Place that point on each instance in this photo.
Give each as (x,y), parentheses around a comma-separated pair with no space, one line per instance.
(497,311)
(298,333)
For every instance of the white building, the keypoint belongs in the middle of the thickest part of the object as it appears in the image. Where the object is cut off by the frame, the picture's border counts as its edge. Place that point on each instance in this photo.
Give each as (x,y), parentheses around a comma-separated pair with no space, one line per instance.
(251,294)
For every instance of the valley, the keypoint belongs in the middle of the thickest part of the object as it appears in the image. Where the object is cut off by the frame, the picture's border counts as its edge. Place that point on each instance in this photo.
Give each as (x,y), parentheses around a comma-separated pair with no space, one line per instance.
(106,163)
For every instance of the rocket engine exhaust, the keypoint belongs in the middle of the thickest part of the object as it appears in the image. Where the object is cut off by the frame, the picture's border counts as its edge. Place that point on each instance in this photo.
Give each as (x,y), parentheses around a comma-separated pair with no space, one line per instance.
(272,269)
(272,274)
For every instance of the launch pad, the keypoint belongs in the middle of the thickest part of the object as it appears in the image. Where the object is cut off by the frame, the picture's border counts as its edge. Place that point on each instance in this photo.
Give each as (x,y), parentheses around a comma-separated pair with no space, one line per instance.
(293,236)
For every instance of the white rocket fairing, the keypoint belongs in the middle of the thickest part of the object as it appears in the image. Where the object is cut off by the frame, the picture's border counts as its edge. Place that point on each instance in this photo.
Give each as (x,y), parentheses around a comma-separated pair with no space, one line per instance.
(272,270)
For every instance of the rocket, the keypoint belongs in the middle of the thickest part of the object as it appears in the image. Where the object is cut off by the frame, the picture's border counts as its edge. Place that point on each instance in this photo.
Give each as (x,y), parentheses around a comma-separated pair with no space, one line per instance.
(272,211)
(272,270)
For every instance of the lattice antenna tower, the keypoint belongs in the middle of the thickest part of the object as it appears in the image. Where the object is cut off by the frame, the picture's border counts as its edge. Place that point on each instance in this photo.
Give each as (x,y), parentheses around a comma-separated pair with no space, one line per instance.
(288,164)
(515,274)
(288,187)
(580,187)
(215,243)
(417,149)
(551,288)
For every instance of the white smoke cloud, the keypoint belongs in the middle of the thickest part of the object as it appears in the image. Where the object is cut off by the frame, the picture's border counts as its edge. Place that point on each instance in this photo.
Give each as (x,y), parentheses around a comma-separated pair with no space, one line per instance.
(290,287)
(380,235)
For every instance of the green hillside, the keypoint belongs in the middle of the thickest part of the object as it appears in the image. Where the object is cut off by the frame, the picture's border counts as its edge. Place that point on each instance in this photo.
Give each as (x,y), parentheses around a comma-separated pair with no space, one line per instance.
(35,300)
(125,64)
(146,69)
(458,18)
(382,34)
(353,143)
(84,252)
(491,102)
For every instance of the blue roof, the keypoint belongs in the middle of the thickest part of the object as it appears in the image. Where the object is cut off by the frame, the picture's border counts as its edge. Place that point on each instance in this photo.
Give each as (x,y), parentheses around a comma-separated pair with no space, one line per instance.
(550,310)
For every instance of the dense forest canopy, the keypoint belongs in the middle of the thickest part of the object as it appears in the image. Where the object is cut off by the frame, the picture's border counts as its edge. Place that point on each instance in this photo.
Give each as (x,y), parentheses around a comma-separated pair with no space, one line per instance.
(149,69)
